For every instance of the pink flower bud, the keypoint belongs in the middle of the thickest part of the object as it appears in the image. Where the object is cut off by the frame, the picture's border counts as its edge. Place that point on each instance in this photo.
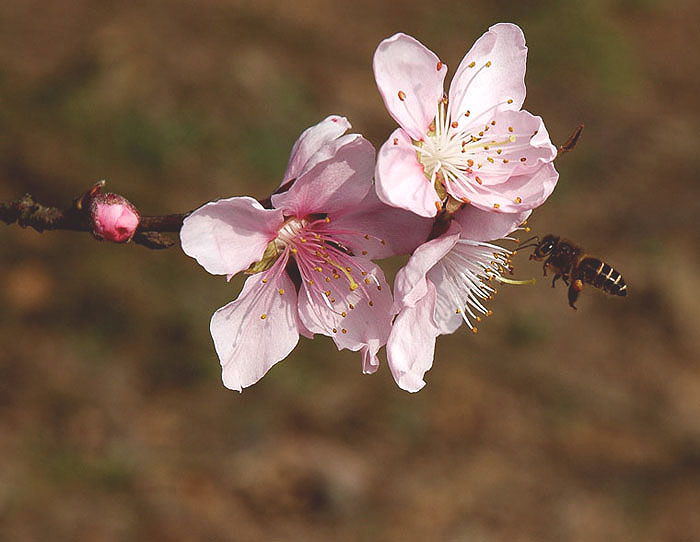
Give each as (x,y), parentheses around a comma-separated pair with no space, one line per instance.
(114,218)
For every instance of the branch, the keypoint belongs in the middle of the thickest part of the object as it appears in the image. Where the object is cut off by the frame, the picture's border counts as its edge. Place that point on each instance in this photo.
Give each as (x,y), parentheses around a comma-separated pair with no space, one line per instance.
(28,213)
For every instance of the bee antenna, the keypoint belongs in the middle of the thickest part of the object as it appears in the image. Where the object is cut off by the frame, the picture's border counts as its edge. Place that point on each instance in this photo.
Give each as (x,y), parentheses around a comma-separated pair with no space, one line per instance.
(525,244)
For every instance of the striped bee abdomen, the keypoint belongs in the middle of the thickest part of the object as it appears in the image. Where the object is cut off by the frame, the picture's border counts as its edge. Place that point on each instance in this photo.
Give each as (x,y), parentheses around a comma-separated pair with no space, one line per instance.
(603,276)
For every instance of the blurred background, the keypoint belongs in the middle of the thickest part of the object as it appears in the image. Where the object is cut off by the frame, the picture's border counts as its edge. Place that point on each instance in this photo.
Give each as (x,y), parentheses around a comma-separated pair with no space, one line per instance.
(549,424)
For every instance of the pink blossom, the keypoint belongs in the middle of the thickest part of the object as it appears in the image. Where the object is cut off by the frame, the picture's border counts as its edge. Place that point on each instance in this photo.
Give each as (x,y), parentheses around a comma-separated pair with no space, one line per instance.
(114,218)
(308,257)
(447,281)
(476,144)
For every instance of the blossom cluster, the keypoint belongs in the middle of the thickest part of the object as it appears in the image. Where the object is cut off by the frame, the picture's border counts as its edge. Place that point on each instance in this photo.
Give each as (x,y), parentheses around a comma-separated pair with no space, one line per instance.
(463,169)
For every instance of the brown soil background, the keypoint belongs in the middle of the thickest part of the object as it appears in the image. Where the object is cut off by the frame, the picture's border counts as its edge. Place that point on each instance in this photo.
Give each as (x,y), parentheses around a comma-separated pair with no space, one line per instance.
(549,425)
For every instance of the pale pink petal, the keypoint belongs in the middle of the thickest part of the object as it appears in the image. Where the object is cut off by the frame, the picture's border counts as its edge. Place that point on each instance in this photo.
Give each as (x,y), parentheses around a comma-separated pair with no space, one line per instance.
(480,225)
(410,285)
(491,74)
(410,78)
(411,346)
(520,192)
(310,141)
(370,360)
(341,177)
(400,180)
(525,137)
(228,235)
(446,317)
(352,318)
(383,231)
(257,330)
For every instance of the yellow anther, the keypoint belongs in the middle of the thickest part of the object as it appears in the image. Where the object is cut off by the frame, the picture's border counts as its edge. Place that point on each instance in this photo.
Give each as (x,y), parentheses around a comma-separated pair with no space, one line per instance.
(488,64)
(263,316)
(281,291)
(471,64)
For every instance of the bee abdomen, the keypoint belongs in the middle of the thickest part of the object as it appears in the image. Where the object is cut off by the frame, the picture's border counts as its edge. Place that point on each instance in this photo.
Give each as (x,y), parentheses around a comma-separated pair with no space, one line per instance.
(603,276)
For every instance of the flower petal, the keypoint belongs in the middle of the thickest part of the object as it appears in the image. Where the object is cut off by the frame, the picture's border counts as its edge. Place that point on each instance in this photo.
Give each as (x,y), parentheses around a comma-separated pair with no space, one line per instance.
(491,74)
(228,235)
(411,346)
(310,141)
(383,231)
(249,344)
(517,145)
(410,285)
(480,225)
(341,177)
(370,360)
(410,78)
(400,180)
(352,318)
(447,319)
(523,191)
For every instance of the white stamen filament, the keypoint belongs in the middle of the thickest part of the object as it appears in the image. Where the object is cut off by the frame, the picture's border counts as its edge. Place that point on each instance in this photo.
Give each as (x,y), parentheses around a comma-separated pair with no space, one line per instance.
(455,154)
(466,270)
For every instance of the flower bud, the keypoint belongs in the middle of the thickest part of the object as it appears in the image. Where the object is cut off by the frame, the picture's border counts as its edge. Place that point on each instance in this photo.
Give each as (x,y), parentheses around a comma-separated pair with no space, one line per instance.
(114,218)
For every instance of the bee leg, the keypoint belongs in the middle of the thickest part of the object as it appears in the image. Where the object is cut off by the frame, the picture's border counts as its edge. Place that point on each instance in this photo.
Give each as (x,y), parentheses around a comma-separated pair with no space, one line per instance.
(574,291)
(555,279)
(566,280)
(544,268)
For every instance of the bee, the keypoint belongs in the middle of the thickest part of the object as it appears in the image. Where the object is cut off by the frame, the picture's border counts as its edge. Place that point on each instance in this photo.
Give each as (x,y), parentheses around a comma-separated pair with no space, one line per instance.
(568,262)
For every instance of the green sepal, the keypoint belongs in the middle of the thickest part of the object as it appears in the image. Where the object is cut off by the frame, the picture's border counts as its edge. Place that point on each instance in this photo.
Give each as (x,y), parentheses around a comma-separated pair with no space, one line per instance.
(269,258)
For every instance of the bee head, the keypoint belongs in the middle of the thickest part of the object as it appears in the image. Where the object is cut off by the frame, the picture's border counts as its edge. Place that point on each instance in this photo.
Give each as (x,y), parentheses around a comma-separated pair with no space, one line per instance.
(544,247)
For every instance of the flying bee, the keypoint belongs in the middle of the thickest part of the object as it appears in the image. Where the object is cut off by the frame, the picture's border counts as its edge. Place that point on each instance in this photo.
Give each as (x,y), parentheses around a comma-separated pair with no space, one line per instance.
(568,262)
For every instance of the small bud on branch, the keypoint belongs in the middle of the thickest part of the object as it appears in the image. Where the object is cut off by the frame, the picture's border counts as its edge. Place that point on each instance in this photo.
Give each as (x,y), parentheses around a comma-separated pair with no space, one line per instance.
(108,216)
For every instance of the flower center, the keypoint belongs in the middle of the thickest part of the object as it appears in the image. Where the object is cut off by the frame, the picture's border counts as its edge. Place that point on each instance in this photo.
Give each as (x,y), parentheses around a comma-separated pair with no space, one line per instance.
(455,150)
(332,275)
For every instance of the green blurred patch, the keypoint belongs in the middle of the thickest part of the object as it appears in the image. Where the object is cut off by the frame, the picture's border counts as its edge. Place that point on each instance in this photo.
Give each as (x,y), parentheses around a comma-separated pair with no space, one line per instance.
(525,330)
(266,138)
(150,142)
(68,467)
